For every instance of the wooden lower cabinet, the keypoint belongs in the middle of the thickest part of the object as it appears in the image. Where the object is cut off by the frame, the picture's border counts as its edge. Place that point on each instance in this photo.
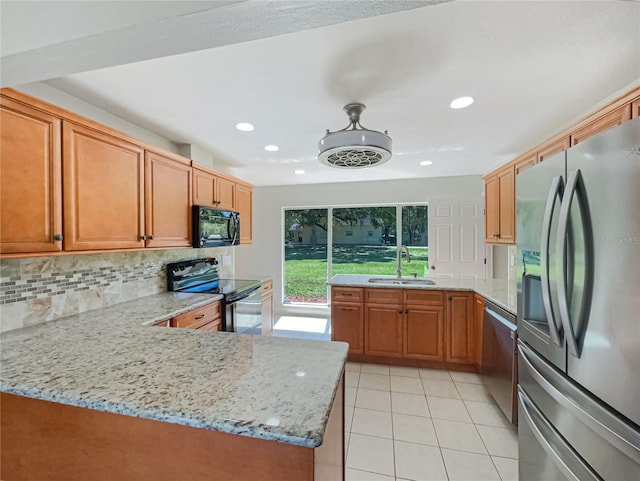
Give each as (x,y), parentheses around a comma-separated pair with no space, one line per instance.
(47,440)
(206,318)
(347,325)
(478,315)
(30,179)
(460,332)
(406,326)
(383,330)
(424,333)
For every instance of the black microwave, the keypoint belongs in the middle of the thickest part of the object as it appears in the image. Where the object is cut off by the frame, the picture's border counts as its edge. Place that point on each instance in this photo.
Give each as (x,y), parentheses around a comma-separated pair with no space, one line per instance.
(214,227)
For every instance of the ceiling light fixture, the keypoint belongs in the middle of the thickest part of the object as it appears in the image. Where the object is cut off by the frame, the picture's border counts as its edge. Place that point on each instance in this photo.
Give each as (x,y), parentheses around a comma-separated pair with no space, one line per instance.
(462,102)
(271,148)
(299,171)
(426,162)
(354,147)
(245,126)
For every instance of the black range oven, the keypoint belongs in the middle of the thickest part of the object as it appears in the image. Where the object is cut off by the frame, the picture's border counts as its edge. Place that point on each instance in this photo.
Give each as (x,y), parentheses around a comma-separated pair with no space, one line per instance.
(242,301)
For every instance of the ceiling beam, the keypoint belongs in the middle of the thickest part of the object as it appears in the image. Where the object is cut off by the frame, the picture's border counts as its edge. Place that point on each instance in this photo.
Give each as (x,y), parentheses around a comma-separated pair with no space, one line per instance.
(235,23)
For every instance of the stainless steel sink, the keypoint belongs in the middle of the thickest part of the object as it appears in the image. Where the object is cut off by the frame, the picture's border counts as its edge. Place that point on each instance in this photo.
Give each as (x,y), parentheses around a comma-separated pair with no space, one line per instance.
(419,281)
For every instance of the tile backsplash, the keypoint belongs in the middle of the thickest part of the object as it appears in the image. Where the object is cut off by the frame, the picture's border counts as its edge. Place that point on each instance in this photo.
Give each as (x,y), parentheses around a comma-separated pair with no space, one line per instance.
(39,289)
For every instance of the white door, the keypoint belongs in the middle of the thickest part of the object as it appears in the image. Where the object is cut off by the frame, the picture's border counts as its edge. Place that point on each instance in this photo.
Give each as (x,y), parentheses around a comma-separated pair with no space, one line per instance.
(456,238)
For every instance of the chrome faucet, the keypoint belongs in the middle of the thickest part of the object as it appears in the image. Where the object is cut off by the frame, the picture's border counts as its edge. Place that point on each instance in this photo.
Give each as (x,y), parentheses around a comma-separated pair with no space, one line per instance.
(399,259)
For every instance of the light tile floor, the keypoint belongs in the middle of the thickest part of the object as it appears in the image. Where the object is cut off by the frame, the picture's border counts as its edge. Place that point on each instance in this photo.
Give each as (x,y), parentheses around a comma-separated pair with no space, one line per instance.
(401,424)
(404,423)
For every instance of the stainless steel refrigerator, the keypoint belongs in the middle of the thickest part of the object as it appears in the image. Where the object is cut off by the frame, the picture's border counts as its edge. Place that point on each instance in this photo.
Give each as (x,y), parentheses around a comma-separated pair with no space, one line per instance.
(578,231)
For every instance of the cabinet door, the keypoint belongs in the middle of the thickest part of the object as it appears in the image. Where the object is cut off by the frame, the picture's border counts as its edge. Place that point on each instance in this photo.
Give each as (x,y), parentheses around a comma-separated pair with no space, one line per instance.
(383,330)
(347,325)
(424,333)
(459,332)
(224,194)
(30,180)
(103,186)
(243,204)
(525,164)
(507,222)
(167,201)
(478,314)
(635,109)
(554,147)
(606,122)
(203,188)
(492,209)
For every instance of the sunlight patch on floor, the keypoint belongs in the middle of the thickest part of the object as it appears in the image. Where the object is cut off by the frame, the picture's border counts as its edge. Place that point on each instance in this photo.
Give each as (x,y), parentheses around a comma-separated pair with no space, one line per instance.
(302,324)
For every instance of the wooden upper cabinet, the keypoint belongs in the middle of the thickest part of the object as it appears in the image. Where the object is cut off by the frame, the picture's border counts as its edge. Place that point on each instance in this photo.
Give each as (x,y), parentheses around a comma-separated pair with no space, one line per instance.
(30,179)
(500,191)
(606,122)
(203,187)
(210,188)
(553,147)
(525,163)
(507,181)
(103,185)
(244,205)
(225,194)
(167,201)
(459,336)
(635,109)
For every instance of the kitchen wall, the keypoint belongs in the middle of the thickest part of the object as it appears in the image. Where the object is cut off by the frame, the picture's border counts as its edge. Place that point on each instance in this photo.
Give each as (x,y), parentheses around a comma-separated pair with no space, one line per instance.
(264,256)
(34,290)
(55,96)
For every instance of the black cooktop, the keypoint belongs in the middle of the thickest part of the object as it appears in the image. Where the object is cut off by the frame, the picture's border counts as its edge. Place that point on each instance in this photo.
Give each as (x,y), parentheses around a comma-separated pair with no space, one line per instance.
(201,275)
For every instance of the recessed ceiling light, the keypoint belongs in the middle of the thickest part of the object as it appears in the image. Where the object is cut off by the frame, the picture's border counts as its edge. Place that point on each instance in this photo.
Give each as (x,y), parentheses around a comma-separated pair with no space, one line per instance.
(299,171)
(461,102)
(426,162)
(271,148)
(244,126)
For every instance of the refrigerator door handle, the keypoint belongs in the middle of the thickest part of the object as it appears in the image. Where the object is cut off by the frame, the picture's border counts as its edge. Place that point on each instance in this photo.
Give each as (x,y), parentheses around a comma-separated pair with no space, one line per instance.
(562,455)
(575,185)
(555,192)
(615,432)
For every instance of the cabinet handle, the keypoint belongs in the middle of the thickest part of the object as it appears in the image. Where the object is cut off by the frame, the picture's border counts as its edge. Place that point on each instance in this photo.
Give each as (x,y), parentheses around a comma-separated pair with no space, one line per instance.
(143,237)
(346,308)
(199,317)
(57,237)
(401,312)
(450,298)
(150,237)
(347,294)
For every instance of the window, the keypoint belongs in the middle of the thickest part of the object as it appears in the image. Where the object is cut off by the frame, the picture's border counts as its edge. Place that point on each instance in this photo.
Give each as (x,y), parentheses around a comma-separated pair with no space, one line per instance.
(363,240)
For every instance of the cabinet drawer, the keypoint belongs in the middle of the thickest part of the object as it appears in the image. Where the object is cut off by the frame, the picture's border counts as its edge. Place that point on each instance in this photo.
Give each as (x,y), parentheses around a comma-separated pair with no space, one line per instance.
(383,296)
(267,287)
(423,297)
(346,294)
(211,326)
(198,317)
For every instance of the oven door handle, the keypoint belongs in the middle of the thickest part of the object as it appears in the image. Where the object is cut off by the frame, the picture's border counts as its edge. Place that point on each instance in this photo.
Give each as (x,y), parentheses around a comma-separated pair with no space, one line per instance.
(242,295)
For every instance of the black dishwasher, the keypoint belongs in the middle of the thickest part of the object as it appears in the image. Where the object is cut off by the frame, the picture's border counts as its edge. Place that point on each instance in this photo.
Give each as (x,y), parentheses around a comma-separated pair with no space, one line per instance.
(499,358)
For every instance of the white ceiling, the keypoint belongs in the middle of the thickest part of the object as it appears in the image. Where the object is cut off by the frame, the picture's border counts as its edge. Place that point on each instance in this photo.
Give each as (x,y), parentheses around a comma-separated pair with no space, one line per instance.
(534,67)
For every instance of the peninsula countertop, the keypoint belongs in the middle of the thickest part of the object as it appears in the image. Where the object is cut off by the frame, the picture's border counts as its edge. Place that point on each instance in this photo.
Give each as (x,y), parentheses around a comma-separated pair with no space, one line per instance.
(499,291)
(114,359)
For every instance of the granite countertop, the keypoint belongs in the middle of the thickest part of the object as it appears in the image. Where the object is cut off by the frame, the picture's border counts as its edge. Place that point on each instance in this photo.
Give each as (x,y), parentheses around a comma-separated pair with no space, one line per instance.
(498,291)
(114,360)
